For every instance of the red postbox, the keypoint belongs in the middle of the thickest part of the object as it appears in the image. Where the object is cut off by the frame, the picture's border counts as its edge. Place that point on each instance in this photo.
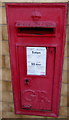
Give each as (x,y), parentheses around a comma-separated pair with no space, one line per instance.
(36,40)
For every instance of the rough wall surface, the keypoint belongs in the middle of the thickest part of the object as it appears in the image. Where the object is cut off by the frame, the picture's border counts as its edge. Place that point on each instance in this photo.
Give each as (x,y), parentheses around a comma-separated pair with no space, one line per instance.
(6,99)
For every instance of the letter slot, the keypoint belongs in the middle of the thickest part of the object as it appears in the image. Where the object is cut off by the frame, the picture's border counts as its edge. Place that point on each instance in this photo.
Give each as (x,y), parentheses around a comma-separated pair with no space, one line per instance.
(30,28)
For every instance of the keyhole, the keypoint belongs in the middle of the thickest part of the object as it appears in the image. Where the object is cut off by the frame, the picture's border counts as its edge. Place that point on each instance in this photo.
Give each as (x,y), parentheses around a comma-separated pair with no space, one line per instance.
(26,81)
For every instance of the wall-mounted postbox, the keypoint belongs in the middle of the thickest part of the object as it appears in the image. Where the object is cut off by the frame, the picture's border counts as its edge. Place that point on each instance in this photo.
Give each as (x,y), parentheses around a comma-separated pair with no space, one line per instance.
(36,42)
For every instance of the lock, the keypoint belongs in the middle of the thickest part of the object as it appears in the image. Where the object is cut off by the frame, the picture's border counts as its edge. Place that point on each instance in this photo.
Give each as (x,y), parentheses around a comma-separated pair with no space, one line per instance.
(26,81)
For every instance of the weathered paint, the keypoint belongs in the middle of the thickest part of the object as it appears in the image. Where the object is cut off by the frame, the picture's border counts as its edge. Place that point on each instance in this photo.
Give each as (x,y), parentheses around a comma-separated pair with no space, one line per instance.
(36,25)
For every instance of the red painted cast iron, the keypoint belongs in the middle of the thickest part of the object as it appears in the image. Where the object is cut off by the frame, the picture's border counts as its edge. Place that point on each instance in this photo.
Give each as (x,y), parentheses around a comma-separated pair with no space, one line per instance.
(33,28)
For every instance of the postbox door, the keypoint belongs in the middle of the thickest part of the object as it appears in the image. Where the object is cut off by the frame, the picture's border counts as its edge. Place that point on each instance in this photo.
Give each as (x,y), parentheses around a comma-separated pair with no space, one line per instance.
(36,87)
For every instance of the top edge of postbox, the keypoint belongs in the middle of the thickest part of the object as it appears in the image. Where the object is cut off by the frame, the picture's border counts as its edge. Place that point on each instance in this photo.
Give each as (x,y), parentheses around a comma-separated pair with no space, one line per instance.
(59,4)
